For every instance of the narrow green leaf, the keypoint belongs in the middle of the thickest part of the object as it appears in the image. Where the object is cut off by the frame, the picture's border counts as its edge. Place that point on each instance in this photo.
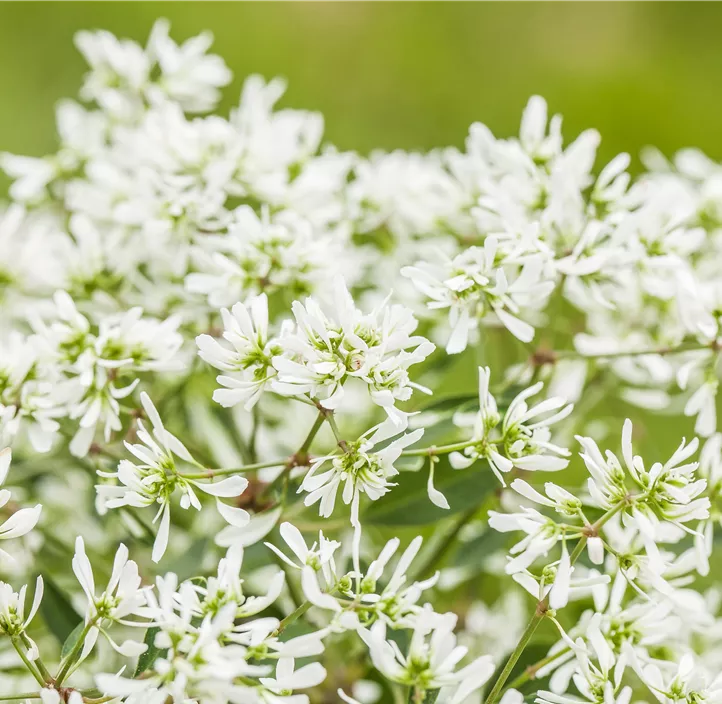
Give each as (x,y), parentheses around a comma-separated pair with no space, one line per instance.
(71,640)
(147,659)
(57,611)
(472,554)
(408,504)
(453,403)
(189,563)
(412,463)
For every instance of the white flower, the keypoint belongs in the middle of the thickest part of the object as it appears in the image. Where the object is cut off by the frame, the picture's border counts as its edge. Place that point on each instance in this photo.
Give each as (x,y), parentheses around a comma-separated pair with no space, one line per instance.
(542,534)
(318,557)
(397,603)
(480,281)
(598,682)
(188,75)
(12,608)
(377,348)
(248,365)
(689,683)
(666,493)
(360,468)
(431,659)
(288,679)
(52,696)
(524,438)
(23,520)
(156,479)
(122,73)
(91,364)
(26,393)
(123,597)
(227,588)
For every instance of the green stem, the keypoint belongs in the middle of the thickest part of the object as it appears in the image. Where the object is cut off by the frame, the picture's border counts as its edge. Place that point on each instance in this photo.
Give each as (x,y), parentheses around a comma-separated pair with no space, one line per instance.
(440,450)
(536,619)
(38,662)
(255,423)
(293,616)
(210,473)
(20,648)
(334,428)
(73,654)
(685,347)
(543,605)
(312,433)
(531,671)
(15,697)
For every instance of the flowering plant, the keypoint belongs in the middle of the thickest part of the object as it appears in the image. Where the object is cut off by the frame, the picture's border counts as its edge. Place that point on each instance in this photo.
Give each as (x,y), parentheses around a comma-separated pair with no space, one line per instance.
(291,424)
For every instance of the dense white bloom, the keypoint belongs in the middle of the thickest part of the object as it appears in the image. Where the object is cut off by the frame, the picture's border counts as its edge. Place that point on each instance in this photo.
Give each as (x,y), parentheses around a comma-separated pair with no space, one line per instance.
(123,597)
(520,439)
(377,348)
(360,469)
(666,493)
(122,72)
(26,393)
(21,521)
(431,659)
(12,608)
(155,479)
(154,224)
(248,365)
(263,255)
(478,282)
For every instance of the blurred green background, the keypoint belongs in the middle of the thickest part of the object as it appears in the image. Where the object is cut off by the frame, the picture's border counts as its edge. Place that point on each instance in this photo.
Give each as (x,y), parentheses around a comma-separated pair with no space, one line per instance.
(412,75)
(409,75)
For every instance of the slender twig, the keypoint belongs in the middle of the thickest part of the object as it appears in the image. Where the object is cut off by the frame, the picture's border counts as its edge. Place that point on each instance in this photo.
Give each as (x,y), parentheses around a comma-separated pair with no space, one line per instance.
(531,671)
(536,619)
(210,473)
(312,433)
(542,606)
(438,450)
(685,347)
(16,697)
(38,662)
(70,658)
(293,616)
(20,648)
(301,454)
(334,428)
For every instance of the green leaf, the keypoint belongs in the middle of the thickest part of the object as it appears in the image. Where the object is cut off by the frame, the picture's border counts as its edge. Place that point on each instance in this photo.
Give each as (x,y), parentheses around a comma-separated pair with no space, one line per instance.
(412,463)
(189,563)
(473,553)
(57,611)
(147,659)
(452,403)
(71,640)
(408,504)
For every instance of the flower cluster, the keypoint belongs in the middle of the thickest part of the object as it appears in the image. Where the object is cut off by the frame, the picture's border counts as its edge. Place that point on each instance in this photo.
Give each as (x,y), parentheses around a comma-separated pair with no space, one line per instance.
(277,299)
